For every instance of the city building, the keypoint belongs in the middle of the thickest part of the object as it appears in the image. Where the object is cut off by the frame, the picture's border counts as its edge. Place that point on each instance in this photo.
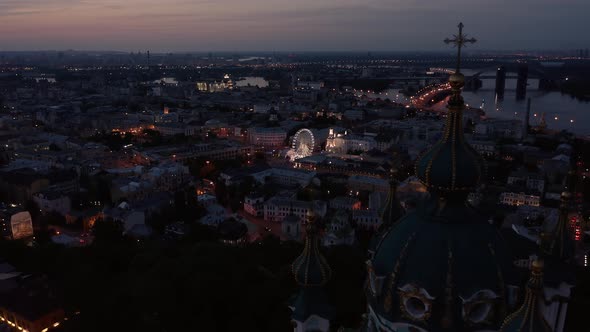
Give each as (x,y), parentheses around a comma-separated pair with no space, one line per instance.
(53,201)
(254,205)
(346,142)
(339,230)
(16,224)
(277,208)
(292,227)
(519,198)
(268,138)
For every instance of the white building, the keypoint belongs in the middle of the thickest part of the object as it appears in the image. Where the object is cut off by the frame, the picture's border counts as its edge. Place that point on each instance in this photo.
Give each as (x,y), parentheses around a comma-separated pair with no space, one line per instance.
(339,231)
(345,203)
(343,143)
(360,182)
(126,215)
(269,138)
(52,201)
(277,208)
(291,176)
(171,129)
(367,219)
(521,198)
(531,181)
(254,205)
(292,228)
(486,148)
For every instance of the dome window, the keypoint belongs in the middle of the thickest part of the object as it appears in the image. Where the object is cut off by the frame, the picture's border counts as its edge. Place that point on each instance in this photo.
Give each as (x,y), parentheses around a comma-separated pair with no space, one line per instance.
(415,306)
(416,302)
(478,309)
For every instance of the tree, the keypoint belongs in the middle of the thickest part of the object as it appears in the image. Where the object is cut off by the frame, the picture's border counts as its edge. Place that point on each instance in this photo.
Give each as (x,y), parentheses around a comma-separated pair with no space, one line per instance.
(107,231)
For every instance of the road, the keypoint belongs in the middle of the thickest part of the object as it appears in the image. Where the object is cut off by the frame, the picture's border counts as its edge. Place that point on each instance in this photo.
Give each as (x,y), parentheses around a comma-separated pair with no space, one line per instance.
(263,225)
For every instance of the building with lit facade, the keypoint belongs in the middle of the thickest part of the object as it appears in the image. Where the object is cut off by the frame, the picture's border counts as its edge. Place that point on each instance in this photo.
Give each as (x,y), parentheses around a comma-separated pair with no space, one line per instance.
(15,224)
(277,208)
(520,198)
(346,142)
(268,138)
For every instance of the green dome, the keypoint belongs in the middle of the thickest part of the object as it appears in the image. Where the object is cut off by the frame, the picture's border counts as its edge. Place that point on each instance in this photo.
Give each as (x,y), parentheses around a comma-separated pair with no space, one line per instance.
(451,165)
(442,267)
(311,268)
(529,316)
(449,254)
(560,243)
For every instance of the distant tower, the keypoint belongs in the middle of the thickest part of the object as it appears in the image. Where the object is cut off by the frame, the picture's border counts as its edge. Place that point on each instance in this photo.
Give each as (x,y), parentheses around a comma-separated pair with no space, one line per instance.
(543,122)
(148,59)
(527,118)
(311,308)
(500,82)
(521,83)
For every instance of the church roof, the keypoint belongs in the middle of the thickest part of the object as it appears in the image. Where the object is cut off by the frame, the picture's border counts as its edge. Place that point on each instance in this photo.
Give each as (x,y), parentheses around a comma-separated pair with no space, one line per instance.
(449,252)
(311,268)
(561,242)
(443,267)
(311,272)
(529,316)
(452,164)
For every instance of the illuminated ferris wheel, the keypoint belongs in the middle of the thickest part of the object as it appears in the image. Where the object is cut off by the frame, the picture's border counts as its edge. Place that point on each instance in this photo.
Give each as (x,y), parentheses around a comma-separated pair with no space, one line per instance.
(303,143)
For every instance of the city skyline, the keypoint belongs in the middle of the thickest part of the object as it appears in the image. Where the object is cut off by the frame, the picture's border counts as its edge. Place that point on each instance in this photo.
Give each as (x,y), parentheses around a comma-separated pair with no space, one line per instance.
(335,25)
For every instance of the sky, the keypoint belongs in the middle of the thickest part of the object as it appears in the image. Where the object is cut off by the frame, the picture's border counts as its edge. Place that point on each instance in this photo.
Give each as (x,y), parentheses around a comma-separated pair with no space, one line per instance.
(290,25)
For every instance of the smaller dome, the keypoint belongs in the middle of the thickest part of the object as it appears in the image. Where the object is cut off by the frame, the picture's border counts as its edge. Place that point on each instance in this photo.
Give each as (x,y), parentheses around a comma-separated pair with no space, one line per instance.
(311,268)
(560,243)
(452,165)
(529,317)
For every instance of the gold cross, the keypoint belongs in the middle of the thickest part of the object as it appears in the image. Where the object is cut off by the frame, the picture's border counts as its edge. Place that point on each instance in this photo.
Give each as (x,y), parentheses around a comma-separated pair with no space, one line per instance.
(459,41)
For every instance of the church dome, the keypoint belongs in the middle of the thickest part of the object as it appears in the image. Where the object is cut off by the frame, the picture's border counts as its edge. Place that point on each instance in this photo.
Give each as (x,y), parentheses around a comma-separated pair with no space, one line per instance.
(443,267)
(311,268)
(529,317)
(452,165)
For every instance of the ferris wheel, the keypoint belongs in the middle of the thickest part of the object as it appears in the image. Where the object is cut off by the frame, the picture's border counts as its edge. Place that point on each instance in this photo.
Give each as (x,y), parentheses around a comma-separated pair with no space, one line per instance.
(303,143)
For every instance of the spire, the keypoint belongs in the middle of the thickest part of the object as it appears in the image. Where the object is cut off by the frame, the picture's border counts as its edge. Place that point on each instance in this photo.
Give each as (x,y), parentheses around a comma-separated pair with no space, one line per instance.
(392,209)
(452,165)
(560,243)
(311,268)
(529,316)
(311,272)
